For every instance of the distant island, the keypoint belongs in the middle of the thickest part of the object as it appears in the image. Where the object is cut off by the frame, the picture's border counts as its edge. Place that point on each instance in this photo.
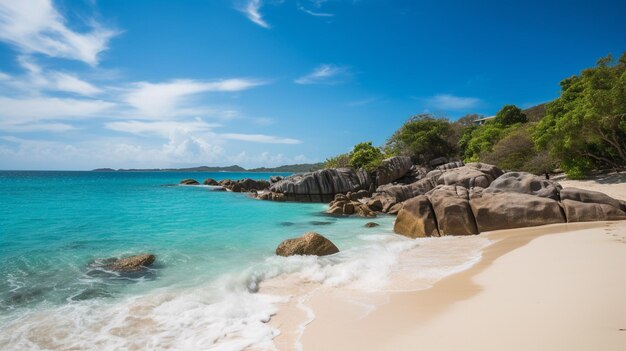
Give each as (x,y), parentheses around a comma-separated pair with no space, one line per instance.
(297,168)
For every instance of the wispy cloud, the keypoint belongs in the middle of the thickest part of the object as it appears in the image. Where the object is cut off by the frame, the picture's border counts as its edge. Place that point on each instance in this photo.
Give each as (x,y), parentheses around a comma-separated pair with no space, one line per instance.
(450,102)
(161,128)
(171,99)
(316,14)
(325,74)
(37,78)
(252,10)
(35,26)
(260,138)
(31,109)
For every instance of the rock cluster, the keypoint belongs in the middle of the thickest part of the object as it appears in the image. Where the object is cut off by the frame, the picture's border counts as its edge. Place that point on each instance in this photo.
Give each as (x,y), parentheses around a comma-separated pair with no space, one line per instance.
(349,204)
(323,185)
(475,198)
(246,185)
(309,244)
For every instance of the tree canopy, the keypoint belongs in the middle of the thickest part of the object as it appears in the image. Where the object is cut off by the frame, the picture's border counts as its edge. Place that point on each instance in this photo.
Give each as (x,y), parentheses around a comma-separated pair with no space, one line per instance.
(423,138)
(509,115)
(585,128)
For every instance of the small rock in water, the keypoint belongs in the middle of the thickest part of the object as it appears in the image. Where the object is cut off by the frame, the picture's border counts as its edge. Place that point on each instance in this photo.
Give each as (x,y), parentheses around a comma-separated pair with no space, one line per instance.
(210,181)
(189,182)
(309,244)
(371,225)
(320,222)
(132,263)
(287,224)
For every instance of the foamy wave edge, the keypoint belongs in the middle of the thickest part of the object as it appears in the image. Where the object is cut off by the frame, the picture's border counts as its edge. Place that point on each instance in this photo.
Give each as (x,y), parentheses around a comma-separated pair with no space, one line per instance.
(232,312)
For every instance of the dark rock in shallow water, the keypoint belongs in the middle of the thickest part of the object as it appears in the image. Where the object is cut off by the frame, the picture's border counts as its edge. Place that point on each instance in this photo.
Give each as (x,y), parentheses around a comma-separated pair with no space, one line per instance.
(320,222)
(371,225)
(210,181)
(131,264)
(287,224)
(244,185)
(189,182)
(309,244)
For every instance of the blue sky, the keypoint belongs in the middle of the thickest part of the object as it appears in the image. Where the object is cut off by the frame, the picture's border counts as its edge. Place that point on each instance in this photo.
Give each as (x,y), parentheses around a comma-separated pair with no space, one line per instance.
(86,84)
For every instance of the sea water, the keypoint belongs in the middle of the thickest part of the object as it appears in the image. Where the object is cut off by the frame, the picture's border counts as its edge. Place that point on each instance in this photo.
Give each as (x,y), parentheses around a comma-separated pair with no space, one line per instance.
(214,250)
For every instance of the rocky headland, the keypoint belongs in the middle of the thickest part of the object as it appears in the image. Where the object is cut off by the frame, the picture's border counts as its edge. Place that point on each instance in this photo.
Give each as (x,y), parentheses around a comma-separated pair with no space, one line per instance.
(447,198)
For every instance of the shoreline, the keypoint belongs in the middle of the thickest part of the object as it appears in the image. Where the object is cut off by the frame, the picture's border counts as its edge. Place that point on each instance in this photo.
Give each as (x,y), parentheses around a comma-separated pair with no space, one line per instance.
(391,326)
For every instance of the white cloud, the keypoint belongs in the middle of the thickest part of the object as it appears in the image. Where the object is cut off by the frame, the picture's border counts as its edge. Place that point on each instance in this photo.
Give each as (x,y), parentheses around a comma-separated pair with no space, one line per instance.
(324,74)
(35,26)
(316,14)
(29,109)
(72,84)
(452,103)
(260,138)
(252,10)
(162,128)
(36,127)
(171,99)
(37,78)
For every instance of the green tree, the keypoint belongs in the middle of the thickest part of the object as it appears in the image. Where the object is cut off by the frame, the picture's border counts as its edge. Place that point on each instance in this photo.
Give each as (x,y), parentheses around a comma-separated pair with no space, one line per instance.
(480,140)
(366,156)
(516,151)
(509,115)
(585,128)
(339,161)
(423,138)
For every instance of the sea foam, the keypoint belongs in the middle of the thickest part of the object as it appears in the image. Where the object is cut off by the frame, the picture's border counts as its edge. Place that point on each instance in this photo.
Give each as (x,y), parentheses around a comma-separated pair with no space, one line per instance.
(231,312)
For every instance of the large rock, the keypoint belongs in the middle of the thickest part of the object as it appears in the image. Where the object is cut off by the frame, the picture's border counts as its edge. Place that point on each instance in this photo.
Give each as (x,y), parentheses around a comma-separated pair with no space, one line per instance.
(416,219)
(413,175)
(452,210)
(132,263)
(471,175)
(322,185)
(309,244)
(406,191)
(450,165)
(576,211)
(392,169)
(525,183)
(589,196)
(586,205)
(189,182)
(494,211)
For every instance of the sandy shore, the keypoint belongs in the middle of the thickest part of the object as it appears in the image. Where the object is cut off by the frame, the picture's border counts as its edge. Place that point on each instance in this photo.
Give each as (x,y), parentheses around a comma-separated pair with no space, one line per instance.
(558,287)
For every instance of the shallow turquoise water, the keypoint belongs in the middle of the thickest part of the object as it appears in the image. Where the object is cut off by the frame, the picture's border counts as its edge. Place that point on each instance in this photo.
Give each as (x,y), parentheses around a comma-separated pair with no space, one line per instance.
(214,250)
(54,224)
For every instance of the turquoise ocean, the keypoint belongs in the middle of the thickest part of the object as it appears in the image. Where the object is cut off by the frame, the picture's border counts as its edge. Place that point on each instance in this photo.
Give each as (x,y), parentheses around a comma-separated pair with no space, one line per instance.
(214,249)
